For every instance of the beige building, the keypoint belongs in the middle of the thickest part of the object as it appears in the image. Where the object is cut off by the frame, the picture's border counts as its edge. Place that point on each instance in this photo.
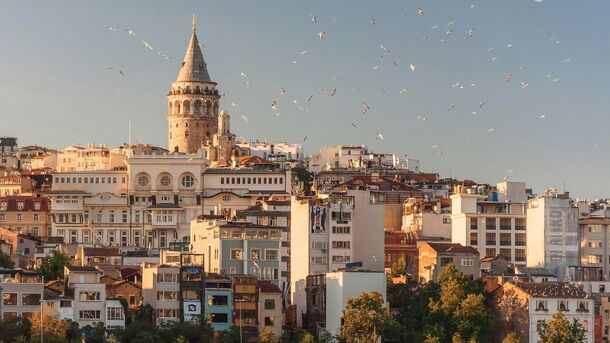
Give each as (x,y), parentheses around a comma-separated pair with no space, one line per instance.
(494,222)
(160,287)
(76,158)
(434,258)
(192,103)
(21,292)
(12,183)
(28,215)
(430,219)
(270,307)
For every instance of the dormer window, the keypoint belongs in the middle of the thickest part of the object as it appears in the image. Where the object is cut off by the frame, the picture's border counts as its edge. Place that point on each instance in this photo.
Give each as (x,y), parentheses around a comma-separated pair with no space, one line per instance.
(541,305)
(562,305)
(583,306)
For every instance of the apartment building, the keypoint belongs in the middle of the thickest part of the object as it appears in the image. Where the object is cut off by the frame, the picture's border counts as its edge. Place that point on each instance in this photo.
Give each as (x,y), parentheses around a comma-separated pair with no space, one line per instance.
(77,158)
(273,213)
(235,247)
(28,215)
(21,292)
(332,231)
(552,235)
(160,288)
(493,222)
(90,304)
(434,257)
(594,242)
(245,306)
(218,308)
(428,218)
(13,183)
(270,307)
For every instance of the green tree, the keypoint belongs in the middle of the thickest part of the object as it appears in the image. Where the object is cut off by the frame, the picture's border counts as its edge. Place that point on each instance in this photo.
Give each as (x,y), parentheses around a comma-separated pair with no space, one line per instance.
(11,328)
(268,336)
(304,176)
(457,338)
(511,338)
(180,339)
(5,261)
(307,338)
(52,267)
(398,269)
(431,339)
(95,333)
(559,330)
(364,318)
(196,330)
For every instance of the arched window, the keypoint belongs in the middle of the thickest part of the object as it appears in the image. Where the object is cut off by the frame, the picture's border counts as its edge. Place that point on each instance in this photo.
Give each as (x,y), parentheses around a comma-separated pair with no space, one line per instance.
(176,107)
(215,107)
(188,89)
(539,325)
(188,181)
(197,89)
(197,106)
(208,109)
(170,108)
(187,107)
(207,134)
(186,134)
(585,326)
(143,180)
(165,180)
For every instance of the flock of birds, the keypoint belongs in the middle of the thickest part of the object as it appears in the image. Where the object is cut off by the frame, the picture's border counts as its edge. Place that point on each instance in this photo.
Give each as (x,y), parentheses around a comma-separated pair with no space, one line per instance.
(384,51)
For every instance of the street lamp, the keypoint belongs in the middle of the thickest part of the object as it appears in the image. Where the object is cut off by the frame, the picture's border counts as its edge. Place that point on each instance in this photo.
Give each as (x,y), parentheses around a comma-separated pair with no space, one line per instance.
(240,334)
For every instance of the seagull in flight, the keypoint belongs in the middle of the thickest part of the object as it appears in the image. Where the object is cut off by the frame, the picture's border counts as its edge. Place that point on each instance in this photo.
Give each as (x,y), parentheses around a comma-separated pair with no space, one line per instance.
(412,67)
(244,118)
(321,35)
(365,108)
(379,136)
(333,92)
(420,12)
(313,18)
(354,125)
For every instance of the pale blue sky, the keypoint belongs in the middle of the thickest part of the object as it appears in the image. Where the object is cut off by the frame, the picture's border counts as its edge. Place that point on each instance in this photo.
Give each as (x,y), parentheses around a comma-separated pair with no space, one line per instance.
(56,90)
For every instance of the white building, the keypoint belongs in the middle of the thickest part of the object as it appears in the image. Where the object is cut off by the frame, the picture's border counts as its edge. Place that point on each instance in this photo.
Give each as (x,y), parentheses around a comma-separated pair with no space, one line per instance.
(343,285)
(492,222)
(331,232)
(352,157)
(77,158)
(552,235)
(272,151)
(531,303)
(160,288)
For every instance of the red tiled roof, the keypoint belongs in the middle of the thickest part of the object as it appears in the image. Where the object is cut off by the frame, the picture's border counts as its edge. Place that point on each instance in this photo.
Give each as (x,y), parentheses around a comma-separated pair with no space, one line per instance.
(127,272)
(28,202)
(267,287)
(452,248)
(82,269)
(278,202)
(552,290)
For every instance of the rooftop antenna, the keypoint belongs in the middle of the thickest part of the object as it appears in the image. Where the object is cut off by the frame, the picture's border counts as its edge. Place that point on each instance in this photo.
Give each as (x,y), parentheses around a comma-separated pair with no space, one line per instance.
(194,22)
(129,133)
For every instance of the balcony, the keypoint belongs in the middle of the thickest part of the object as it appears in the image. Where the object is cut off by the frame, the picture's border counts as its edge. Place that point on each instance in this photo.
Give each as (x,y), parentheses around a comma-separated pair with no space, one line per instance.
(245,306)
(245,289)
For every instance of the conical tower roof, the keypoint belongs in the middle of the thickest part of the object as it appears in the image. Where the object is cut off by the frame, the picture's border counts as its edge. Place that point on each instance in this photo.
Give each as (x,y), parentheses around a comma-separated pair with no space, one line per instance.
(193,67)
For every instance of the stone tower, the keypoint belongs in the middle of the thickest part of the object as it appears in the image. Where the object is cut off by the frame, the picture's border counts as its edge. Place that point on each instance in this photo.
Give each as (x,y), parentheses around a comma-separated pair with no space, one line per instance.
(192,103)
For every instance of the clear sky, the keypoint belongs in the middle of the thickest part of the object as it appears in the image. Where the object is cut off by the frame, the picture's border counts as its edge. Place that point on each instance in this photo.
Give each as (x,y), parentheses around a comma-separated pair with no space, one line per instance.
(56,90)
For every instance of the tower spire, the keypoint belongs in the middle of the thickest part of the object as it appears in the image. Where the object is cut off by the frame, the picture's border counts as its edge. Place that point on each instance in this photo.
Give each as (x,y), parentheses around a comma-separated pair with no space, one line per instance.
(194,23)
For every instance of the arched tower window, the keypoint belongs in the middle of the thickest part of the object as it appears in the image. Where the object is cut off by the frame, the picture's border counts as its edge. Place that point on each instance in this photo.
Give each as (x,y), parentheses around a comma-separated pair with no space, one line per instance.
(170,108)
(187,107)
(207,134)
(208,109)
(197,89)
(176,107)
(197,106)
(216,107)
(188,89)
(186,134)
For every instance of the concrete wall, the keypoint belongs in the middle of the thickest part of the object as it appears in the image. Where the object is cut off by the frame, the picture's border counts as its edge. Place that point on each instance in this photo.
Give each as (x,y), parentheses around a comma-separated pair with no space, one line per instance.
(367,231)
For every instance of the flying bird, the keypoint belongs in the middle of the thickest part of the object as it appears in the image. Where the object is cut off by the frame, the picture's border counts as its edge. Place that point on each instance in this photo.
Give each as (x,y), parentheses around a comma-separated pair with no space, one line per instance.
(354,125)
(282,91)
(373,22)
(379,136)
(412,67)
(321,35)
(420,12)
(243,75)
(313,18)
(450,108)
(130,32)
(402,91)
(365,108)
(274,105)
(481,104)
(333,92)
(244,118)
(509,76)
(491,130)
(304,139)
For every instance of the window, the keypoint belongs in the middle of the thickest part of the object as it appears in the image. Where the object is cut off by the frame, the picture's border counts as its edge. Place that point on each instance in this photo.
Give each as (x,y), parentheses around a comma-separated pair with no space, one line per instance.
(504,223)
(2,217)
(218,300)
(111,237)
(188,181)
(595,243)
(136,238)
(541,305)
(132,300)
(221,318)
(602,289)
(539,326)
(166,313)
(490,238)
(585,325)
(519,255)
(226,198)
(474,238)
(114,313)
(143,180)
(336,259)
(562,305)
(341,230)
(270,255)
(519,224)
(506,254)
(165,180)
(446,220)
(594,259)
(269,321)
(596,228)
(167,277)
(520,239)
(467,262)
(490,224)
(124,216)
(98,217)
(89,296)
(446,260)
(583,306)
(9,299)
(167,295)
(111,216)
(505,239)
(89,314)
(19,217)
(162,239)
(341,244)
(124,238)
(232,270)
(255,254)
(236,254)
(269,304)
